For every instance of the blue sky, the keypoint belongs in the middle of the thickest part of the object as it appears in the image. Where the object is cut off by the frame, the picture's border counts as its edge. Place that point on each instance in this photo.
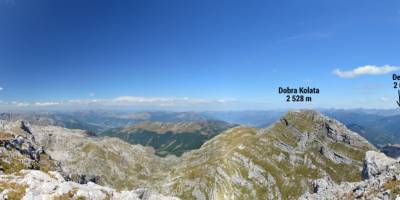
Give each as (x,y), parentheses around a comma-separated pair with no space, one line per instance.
(196,54)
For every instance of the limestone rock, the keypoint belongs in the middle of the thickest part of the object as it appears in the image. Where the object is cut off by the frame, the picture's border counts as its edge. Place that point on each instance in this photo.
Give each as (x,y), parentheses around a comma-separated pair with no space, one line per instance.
(36,184)
(382,181)
(376,163)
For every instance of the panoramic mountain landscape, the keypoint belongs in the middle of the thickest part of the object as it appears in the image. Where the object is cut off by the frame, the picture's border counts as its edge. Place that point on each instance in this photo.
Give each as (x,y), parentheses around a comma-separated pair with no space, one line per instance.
(379,127)
(199,100)
(156,155)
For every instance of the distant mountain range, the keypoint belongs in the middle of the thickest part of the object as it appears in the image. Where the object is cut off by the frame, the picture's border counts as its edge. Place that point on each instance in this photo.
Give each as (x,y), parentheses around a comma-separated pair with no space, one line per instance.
(98,121)
(380,127)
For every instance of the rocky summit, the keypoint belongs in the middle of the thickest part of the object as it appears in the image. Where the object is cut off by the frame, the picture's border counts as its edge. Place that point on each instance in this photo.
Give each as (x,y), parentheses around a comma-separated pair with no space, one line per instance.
(278,162)
(283,161)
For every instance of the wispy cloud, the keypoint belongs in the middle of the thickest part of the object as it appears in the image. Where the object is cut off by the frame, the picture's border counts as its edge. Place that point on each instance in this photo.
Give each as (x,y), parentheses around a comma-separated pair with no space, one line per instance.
(366,70)
(92,94)
(308,36)
(1,88)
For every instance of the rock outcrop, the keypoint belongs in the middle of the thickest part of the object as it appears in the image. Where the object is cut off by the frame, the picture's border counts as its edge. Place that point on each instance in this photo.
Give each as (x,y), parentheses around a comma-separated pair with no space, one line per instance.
(375,163)
(382,181)
(19,150)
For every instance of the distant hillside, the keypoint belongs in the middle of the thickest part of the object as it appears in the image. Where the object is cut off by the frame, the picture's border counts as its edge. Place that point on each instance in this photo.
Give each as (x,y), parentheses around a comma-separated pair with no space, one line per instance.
(170,138)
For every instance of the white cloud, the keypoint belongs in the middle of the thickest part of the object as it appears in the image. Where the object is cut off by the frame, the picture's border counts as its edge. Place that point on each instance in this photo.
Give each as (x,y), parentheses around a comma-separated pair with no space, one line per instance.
(384,99)
(22,104)
(366,70)
(46,103)
(1,88)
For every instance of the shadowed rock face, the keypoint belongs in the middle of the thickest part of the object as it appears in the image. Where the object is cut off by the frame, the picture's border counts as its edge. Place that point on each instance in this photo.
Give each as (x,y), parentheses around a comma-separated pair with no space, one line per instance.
(278,162)
(18,149)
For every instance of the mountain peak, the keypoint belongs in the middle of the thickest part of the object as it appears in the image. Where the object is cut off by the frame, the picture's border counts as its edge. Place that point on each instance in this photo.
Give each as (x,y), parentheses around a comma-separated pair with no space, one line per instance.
(303,146)
(310,121)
